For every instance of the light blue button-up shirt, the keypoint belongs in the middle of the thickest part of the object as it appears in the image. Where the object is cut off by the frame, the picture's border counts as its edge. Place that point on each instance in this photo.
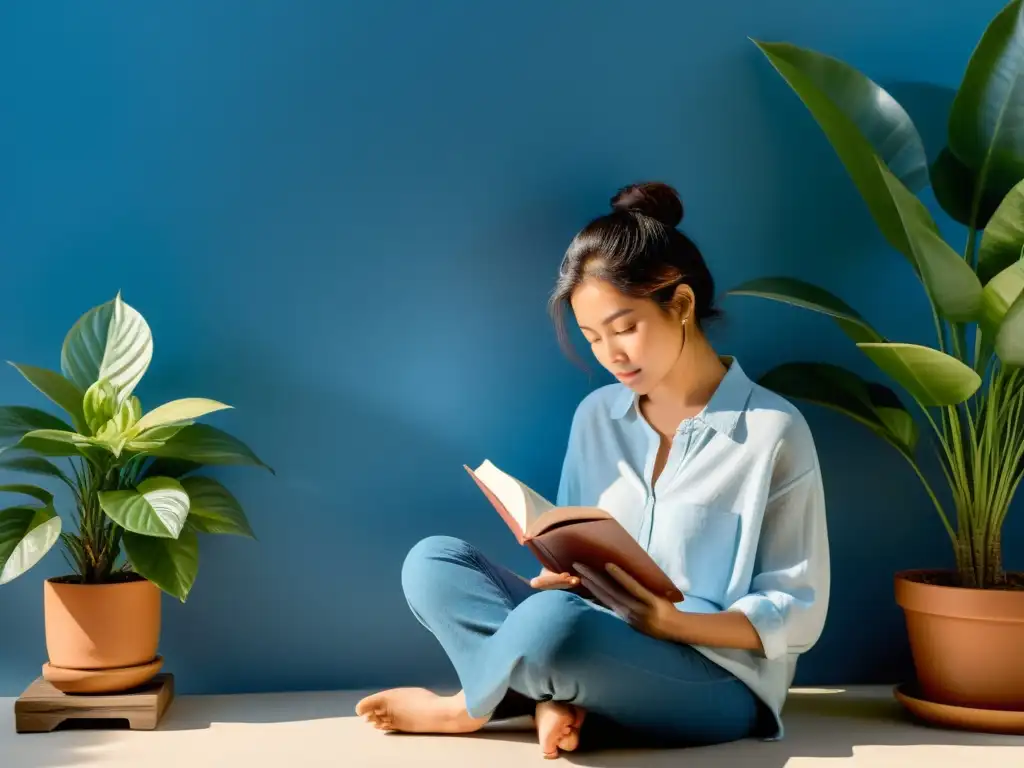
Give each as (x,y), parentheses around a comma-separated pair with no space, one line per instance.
(736,518)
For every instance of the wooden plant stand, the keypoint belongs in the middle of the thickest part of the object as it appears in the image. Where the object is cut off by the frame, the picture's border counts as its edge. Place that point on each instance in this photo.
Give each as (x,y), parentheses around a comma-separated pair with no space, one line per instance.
(42,708)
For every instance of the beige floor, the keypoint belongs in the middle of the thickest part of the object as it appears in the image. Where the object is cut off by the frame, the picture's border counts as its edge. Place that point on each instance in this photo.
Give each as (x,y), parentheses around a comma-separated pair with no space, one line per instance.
(832,727)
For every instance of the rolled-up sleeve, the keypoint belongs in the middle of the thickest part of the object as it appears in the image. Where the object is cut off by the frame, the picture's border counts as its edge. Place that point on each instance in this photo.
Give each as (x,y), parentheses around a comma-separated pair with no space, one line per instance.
(789,591)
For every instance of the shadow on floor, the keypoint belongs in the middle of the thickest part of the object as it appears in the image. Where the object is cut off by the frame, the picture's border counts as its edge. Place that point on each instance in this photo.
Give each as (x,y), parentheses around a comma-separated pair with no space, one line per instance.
(189,713)
(69,746)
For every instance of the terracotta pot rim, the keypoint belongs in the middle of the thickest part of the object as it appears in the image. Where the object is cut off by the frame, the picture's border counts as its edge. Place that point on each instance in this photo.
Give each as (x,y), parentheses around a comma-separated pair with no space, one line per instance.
(1001,605)
(102,670)
(52,581)
(905,574)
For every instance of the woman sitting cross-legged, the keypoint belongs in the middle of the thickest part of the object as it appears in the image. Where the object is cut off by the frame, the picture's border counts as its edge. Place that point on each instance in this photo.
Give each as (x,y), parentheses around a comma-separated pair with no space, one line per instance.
(718,480)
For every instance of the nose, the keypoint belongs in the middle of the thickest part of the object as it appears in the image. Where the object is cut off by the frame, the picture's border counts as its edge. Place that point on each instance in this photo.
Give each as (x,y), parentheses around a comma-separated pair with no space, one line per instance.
(614,353)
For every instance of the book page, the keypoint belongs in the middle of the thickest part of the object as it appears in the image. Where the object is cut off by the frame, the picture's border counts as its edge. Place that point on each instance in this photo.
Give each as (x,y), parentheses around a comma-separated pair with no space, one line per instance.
(523,503)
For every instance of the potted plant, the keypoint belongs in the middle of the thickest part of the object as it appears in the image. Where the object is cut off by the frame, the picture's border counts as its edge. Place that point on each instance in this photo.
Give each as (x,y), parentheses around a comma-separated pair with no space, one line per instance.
(965,627)
(137,505)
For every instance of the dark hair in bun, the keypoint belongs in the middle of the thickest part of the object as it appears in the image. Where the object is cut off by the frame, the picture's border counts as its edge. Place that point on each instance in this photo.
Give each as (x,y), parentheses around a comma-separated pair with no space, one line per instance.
(638,249)
(657,200)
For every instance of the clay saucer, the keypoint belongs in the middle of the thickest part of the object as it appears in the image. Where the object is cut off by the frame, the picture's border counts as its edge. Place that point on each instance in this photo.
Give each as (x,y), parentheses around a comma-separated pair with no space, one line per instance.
(115,680)
(964,718)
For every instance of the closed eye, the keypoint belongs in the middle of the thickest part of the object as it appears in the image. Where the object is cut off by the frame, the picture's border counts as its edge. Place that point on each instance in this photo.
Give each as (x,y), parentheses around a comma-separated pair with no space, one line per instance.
(616,333)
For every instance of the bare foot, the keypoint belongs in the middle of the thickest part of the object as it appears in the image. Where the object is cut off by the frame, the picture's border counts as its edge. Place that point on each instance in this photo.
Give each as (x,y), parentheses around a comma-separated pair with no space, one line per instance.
(558,727)
(417,710)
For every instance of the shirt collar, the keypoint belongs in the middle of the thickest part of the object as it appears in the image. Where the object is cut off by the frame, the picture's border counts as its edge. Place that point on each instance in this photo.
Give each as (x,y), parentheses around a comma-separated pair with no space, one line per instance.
(724,408)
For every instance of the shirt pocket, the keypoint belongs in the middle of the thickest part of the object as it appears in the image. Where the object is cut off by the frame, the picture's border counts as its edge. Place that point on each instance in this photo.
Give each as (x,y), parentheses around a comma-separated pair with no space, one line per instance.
(696,546)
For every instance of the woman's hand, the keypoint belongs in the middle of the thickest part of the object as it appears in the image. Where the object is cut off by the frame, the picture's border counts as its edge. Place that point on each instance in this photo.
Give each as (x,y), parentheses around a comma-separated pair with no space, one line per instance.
(549,580)
(645,611)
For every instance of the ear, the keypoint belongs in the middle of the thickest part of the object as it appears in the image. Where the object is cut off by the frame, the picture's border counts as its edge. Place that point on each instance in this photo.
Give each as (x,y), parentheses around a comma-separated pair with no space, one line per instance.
(684,301)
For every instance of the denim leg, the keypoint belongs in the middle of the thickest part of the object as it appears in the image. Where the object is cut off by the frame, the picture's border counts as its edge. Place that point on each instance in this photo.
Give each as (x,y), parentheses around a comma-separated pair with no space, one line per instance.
(502,635)
(569,649)
(463,598)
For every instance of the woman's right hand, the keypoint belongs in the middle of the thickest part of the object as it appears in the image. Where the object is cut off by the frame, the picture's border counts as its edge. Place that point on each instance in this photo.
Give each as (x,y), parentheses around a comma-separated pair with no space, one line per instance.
(549,580)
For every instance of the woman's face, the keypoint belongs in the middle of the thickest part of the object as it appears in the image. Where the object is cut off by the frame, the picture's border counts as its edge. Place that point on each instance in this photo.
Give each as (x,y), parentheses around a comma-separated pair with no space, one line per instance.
(632,338)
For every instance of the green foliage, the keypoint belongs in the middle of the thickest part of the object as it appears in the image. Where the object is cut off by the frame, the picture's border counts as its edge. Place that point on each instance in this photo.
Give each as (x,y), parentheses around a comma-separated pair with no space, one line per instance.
(127,470)
(969,387)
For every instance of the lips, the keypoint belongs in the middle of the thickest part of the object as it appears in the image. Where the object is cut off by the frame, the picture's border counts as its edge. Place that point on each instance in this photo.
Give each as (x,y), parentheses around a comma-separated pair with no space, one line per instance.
(628,376)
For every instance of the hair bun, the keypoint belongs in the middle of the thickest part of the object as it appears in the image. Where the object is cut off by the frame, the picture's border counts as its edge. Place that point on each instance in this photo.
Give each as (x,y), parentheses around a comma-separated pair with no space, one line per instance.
(652,198)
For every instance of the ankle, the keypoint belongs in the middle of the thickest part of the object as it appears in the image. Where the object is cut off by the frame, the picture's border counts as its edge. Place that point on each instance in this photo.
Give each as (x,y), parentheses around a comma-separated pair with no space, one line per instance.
(457,712)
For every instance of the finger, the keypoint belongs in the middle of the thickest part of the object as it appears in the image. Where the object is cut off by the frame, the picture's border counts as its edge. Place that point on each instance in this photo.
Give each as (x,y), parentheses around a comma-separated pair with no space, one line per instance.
(551,580)
(610,587)
(607,598)
(634,587)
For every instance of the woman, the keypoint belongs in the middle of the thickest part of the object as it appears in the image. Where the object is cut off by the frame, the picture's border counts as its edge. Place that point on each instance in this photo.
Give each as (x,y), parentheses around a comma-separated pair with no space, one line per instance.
(714,475)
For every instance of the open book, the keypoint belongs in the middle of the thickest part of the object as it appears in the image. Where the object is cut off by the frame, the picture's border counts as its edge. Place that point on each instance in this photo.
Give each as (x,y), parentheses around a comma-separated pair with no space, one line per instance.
(561,536)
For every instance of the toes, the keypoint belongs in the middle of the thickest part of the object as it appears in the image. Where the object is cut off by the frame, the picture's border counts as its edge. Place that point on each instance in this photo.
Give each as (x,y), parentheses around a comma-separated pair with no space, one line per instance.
(368,705)
(549,743)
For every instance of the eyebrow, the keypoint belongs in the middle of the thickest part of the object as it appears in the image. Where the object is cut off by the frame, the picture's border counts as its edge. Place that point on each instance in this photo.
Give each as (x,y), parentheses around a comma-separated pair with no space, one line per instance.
(608,319)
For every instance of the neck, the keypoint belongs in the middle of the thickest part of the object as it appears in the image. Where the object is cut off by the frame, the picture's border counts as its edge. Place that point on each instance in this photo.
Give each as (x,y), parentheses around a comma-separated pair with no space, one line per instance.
(693,379)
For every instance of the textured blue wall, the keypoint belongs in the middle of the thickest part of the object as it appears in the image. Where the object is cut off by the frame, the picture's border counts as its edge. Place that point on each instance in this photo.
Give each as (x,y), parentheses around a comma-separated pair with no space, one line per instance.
(344,219)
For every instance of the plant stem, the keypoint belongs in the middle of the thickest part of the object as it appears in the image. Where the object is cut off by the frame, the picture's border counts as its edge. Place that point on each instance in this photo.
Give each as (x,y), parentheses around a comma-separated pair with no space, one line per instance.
(972,231)
(937,431)
(935,501)
(939,330)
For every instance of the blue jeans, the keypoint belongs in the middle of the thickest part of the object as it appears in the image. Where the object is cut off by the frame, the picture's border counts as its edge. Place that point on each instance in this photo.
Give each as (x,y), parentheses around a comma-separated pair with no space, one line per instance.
(513,645)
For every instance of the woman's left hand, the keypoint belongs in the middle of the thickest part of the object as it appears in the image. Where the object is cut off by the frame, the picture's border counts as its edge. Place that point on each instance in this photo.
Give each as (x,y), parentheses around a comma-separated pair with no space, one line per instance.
(645,611)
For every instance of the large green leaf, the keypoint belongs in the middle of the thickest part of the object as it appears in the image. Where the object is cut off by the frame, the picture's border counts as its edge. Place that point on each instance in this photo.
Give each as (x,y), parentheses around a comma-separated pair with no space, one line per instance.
(204,444)
(17,420)
(870,108)
(171,564)
(213,508)
(899,214)
(183,410)
(157,507)
(176,468)
(154,438)
(40,494)
(873,405)
(854,150)
(32,465)
(933,378)
(988,111)
(997,298)
(26,534)
(950,280)
(111,341)
(895,417)
(999,294)
(56,442)
(953,184)
(1003,238)
(1010,339)
(809,296)
(60,391)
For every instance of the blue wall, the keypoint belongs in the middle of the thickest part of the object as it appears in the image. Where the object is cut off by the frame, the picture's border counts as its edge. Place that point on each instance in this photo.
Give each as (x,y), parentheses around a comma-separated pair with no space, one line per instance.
(344,219)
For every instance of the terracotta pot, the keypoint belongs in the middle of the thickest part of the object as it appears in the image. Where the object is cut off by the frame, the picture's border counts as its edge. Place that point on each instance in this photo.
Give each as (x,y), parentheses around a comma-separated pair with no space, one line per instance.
(101,626)
(966,643)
